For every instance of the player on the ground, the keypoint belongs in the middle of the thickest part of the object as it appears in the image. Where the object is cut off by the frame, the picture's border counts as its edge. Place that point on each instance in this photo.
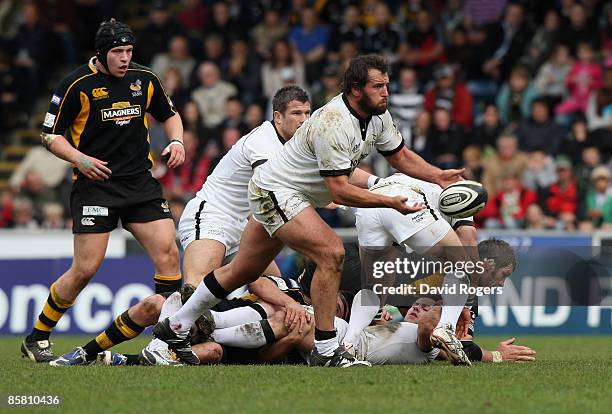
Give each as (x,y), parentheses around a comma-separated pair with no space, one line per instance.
(312,170)
(97,121)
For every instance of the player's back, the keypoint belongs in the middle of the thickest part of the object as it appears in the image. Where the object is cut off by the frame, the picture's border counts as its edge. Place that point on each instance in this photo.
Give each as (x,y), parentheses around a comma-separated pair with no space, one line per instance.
(227,186)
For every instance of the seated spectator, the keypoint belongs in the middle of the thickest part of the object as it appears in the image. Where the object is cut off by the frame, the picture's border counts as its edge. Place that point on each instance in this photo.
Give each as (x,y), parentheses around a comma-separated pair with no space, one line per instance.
(540,173)
(212,94)
(485,135)
(423,49)
(577,140)
(543,42)
(160,27)
(508,207)
(406,100)
(416,140)
(540,131)
(53,217)
(327,88)
(599,109)
(536,220)
(584,77)
(460,53)
(562,200)
(193,122)
(222,23)
(550,81)
(349,29)
(598,201)
(23,214)
(581,29)
(283,65)
(472,162)
(271,29)
(445,140)
(194,16)
(515,96)
(507,160)
(310,40)
(243,69)
(178,57)
(384,36)
(590,159)
(234,111)
(34,189)
(254,116)
(50,169)
(450,94)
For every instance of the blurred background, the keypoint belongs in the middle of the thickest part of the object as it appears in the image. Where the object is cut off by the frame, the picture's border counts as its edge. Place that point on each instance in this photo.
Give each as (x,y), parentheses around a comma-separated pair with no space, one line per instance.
(518,93)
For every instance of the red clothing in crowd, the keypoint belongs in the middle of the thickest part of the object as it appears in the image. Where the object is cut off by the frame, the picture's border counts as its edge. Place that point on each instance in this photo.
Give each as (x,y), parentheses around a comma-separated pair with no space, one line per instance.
(462,104)
(189,177)
(516,202)
(562,200)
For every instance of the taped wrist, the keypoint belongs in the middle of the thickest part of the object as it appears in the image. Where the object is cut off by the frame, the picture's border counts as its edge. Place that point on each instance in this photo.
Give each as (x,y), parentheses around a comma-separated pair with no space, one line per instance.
(47,139)
(472,350)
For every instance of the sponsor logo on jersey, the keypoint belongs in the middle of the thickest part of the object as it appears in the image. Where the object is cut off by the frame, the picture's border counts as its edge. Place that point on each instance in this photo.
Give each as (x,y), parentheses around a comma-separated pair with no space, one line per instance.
(95,211)
(121,113)
(88,221)
(99,93)
(49,120)
(165,206)
(136,87)
(56,100)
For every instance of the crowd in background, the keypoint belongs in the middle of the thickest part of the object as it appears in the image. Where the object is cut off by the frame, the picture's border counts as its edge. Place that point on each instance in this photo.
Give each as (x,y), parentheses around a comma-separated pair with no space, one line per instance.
(518,93)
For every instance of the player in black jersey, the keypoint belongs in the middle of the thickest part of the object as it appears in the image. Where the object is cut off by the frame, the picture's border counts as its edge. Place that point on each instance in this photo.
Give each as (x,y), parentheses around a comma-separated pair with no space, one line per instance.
(96,121)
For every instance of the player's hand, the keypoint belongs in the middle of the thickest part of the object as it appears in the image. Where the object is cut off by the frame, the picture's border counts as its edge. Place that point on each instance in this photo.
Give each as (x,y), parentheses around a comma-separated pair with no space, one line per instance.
(93,168)
(175,153)
(515,353)
(463,323)
(401,204)
(447,177)
(296,316)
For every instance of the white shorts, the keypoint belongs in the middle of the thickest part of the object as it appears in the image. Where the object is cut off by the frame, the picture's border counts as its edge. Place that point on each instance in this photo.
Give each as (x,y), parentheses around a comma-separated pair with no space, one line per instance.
(203,221)
(273,209)
(379,227)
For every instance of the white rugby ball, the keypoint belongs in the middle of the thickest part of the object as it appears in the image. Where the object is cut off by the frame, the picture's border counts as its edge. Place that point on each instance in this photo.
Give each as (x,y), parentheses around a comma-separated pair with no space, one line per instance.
(462,199)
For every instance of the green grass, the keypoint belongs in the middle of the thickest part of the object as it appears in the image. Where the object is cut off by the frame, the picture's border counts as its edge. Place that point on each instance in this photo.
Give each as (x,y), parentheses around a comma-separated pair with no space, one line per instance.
(571,375)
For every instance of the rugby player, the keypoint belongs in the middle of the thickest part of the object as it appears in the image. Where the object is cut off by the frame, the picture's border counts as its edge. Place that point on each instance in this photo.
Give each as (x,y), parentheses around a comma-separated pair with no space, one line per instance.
(313,169)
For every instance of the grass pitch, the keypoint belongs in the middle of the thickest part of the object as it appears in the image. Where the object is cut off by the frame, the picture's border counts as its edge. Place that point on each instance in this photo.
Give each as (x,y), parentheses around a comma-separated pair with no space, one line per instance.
(571,375)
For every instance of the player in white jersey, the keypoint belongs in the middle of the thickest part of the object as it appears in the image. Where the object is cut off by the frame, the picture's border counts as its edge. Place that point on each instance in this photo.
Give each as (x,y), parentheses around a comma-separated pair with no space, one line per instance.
(313,169)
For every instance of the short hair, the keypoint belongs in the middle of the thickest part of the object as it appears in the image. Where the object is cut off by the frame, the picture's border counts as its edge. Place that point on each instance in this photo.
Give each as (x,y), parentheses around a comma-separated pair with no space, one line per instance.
(498,250)
(286,94)
(356,74)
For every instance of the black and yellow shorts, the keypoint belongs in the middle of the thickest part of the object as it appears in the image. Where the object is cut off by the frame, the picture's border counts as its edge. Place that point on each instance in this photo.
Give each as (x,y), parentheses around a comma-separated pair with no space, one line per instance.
(97,206)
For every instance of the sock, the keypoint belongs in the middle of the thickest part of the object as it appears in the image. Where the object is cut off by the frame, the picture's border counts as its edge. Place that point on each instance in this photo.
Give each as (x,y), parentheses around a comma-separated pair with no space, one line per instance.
(207,295)
(122,329)
(52,311)
(365,307)
(452,303)
(250,335)
(171,305)
(326,342)
(239,316)
(167,283)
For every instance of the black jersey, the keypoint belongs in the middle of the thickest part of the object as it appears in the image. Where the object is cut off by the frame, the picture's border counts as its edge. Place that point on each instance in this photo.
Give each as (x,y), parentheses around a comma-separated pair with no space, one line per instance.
(104,116)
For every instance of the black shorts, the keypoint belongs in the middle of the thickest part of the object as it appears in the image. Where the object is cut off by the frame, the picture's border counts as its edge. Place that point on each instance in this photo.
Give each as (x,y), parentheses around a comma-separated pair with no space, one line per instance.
(97,206)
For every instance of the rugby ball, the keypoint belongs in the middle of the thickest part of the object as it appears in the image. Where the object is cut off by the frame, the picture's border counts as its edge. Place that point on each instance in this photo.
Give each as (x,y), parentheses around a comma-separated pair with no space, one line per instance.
(462,199)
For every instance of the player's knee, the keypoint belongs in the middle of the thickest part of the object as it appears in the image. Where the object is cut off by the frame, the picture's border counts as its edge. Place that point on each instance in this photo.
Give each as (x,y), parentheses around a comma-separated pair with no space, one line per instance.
(83,270)
(333,257)
(209,353)
(150,308)
(167,256)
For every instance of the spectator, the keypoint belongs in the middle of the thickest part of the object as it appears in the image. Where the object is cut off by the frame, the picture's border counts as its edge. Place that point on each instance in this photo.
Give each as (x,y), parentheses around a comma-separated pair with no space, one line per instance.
(234,111)
(423,49)
(599,109)
(212,94)
(328,87)
(383,37)
(48,167)
(178,57)
(53,216)
(406,101)
(515,96)
(349,30)
(7,201)
(445,140)
(472,162)
(193,122)
(23,214)
(590,159)
(268,32)
(584,77)
(540,131)
(284,66)
(508,40)
(577,140)
(550,81)
(160,27)
(507,160)
(193,17)
(486,134)
(222,23)
(310,40)
(175,87)
(562,197)
(33,188)
(450,94)
(417,139)
(536,220)
(460,54)
(254,116)
(579,30)
(539,173)
(243,69)
(598,201)
(214,49)
(508,207)
(543,41)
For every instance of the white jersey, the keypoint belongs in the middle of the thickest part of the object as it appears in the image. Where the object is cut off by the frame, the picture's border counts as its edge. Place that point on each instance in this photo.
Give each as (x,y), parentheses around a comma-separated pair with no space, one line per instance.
(331,143)
(227,186)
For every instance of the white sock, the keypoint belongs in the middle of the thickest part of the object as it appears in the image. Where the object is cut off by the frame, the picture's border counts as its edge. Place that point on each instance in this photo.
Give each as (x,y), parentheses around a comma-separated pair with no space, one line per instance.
(235,317)
(171,305)
(365,307)
(249,335)
(326,347)
(452,304)
(201,299)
